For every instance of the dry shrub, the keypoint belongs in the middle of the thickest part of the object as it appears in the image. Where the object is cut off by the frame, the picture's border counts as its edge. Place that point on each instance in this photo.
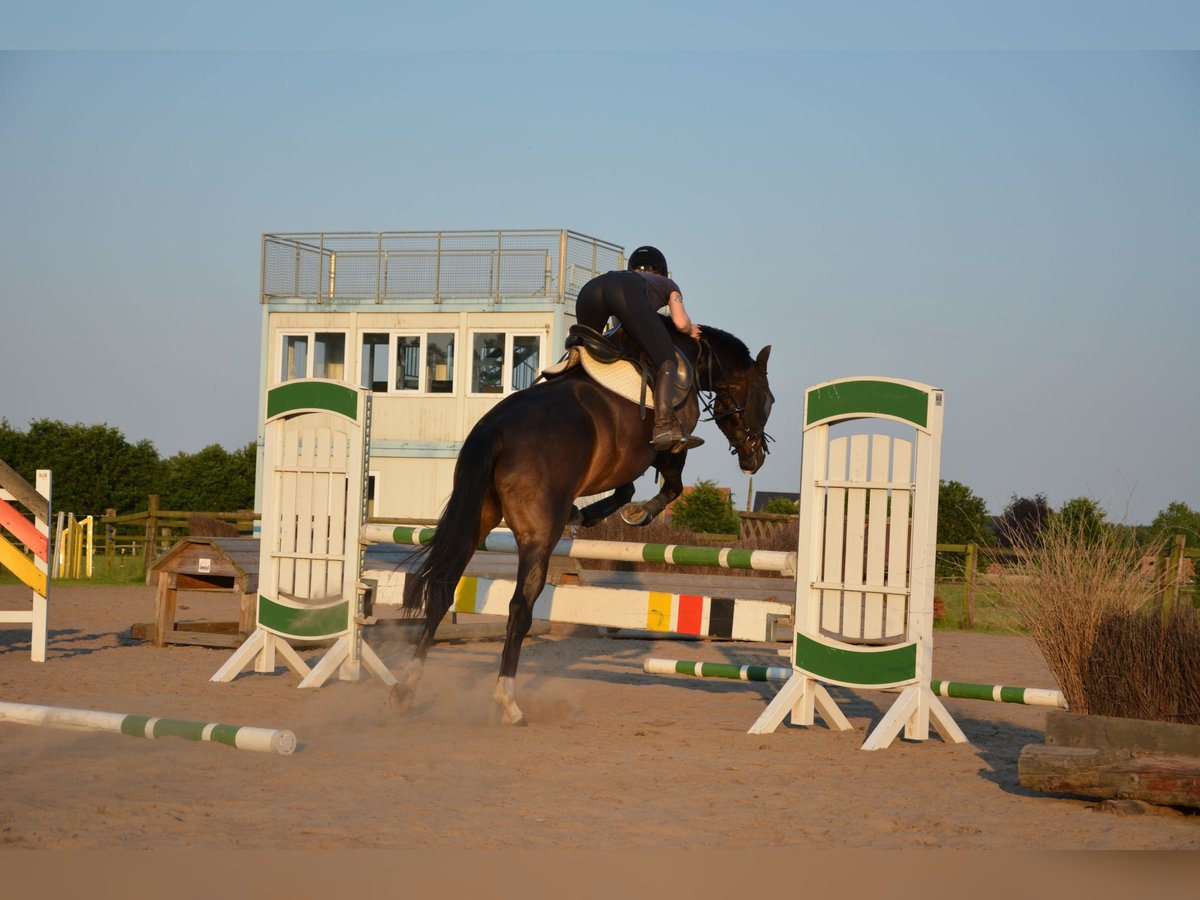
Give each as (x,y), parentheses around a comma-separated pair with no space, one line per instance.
(1068,588)
(1146,665)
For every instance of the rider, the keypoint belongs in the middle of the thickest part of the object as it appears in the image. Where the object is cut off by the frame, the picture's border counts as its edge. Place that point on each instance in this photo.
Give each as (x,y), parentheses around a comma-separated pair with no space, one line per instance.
(634,297)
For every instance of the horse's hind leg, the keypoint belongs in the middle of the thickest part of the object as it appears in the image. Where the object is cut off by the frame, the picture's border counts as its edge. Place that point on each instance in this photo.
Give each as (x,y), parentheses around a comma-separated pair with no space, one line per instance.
(533,560)
(437,602)
(439,597)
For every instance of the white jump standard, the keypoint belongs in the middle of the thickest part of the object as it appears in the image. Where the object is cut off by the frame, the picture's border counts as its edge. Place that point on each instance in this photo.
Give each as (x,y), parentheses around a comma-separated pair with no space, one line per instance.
(310,558)
(867,549)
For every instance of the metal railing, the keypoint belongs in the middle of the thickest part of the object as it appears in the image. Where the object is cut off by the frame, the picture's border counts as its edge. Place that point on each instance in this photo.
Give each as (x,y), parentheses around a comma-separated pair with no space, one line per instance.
(432,266)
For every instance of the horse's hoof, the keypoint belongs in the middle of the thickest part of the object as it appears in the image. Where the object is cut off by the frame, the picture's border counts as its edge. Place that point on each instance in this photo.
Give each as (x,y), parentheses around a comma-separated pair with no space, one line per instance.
(400,699)
(576,517)
(521,723)
(634,514)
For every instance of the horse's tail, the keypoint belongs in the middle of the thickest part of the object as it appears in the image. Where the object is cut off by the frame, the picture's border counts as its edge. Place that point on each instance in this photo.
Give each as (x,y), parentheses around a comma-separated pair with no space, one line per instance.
(443,561)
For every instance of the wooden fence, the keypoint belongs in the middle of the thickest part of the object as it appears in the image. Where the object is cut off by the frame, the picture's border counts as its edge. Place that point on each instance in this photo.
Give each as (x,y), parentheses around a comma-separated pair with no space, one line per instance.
(1173,571)
(150,533)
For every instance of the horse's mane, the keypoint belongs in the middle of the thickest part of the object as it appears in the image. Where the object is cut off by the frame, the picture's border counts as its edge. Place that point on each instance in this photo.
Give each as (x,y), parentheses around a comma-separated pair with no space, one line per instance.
(726,343)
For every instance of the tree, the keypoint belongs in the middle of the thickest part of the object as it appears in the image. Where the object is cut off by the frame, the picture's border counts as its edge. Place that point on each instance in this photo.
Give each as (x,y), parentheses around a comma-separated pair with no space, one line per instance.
(706,508)
(94,466)
(1177,518)
(782,506)
(1023,520)
(211,480)
(1084,518)
(962,516)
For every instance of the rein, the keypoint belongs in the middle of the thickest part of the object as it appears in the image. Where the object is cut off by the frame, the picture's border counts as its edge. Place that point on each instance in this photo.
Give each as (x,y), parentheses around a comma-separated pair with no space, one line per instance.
(743,438)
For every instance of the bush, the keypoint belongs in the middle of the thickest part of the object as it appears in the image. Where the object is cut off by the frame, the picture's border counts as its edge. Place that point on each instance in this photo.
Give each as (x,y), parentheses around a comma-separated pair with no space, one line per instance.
(1085,596)
(707,509)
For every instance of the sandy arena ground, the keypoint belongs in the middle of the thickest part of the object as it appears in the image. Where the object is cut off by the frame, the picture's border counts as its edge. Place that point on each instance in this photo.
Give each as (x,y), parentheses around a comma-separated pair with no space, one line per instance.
(613,759)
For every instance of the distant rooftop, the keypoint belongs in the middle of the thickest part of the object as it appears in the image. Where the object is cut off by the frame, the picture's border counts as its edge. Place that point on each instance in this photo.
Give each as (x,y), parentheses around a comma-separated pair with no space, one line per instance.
(432,266)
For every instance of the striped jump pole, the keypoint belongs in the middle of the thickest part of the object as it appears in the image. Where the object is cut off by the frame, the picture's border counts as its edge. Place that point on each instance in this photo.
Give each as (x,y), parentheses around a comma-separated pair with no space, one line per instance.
(783,561)
(959,690)
(715,670)
(242,737)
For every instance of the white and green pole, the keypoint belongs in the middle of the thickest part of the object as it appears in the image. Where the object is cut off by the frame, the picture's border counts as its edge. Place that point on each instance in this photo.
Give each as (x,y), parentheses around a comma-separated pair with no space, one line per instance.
(243,737)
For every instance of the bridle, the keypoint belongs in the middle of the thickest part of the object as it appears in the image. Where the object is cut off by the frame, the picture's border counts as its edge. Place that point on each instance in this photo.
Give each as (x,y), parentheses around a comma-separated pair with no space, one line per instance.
(724,410)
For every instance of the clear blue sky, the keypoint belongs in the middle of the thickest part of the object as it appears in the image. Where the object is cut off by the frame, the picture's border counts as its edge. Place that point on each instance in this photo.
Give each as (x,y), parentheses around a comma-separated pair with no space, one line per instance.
(1017,222)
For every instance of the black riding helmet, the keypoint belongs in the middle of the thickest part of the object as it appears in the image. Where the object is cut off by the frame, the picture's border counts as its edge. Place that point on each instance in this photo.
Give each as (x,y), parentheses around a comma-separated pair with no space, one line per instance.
(648,259)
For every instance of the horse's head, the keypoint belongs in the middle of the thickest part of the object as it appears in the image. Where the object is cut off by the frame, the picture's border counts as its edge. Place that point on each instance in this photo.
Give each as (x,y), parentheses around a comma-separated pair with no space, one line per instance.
(742,395)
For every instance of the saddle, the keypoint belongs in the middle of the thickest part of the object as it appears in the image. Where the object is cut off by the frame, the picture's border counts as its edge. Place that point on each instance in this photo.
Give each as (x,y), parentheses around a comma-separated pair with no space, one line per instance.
(607,360)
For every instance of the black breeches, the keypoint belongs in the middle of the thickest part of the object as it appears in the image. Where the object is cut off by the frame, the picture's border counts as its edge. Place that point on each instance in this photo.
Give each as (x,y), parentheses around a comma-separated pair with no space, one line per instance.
(623,295)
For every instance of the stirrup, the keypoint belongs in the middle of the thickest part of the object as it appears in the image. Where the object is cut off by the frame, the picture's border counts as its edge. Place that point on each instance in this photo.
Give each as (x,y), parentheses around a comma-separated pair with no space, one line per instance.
(668,436)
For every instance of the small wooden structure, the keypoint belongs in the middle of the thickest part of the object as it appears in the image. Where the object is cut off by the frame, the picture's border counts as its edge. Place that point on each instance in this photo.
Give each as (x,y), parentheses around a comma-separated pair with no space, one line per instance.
(222,564)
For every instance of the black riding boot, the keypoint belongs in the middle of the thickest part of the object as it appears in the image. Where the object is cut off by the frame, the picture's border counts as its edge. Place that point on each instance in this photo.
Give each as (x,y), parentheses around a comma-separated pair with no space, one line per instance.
(668,435)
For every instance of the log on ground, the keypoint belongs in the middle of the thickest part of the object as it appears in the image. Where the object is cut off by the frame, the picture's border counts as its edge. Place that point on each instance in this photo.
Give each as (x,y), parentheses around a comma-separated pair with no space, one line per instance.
(1112,774)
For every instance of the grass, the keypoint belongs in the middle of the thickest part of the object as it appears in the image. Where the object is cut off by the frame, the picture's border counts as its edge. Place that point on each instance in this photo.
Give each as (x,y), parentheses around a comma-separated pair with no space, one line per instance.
(120,570)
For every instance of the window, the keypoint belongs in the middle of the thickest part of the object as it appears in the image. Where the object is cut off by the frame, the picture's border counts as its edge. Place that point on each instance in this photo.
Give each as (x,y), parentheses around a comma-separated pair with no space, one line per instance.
(487,362)
(502,362)
(439,364)
(319,354)
(374,374)
(527,360)
(408,363)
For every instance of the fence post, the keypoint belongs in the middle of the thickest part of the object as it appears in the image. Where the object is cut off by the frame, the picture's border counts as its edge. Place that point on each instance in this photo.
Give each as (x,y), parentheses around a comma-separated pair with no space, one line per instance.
(110,540)
(1173,576)
(970,563)
(150,551)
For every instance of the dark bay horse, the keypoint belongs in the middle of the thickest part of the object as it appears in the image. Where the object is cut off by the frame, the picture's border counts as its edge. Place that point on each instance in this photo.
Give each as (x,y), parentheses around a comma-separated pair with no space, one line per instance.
(537,450)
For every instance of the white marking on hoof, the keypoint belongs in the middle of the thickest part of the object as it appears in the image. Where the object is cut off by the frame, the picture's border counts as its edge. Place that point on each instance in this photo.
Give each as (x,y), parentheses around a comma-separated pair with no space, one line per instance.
(505,696)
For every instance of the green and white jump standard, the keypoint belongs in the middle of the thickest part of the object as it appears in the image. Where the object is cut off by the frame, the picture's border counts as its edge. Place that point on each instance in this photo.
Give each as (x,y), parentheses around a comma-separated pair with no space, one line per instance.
(314,503)
(864,579)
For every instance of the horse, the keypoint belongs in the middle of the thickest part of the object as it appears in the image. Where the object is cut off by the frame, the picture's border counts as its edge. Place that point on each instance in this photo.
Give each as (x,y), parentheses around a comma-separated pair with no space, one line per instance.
(535,452)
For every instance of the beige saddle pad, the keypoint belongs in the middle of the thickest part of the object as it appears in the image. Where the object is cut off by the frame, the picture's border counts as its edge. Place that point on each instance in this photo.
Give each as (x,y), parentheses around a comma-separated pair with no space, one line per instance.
(622,377)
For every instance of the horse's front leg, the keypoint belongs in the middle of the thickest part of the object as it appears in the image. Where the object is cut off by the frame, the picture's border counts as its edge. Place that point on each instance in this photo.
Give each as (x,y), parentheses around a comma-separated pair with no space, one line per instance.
(670,467)
(595,513)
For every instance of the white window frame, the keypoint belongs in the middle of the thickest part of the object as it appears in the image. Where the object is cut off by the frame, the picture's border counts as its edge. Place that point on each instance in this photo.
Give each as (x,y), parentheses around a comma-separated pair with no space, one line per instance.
(310,337)
(393,358)
(506,371)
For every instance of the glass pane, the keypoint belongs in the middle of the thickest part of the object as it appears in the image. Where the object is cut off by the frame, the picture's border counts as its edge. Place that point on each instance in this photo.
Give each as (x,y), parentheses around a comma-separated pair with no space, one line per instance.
(329,355)
(526,360)
(374,375)
(487,363)
(408,363)
(295,357)
(439,364)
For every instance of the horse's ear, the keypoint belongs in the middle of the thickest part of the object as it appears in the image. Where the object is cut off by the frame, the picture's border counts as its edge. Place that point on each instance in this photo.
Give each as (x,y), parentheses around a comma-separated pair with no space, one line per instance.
(762,357)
